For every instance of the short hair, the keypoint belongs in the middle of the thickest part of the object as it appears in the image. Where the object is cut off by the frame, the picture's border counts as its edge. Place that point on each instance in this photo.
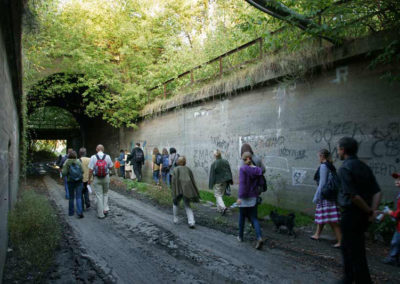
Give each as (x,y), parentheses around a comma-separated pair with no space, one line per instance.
(217,153)
(172,150)
(137,144)
(70,150)
(122,150)
(156,151)
(72,155)
(100,147)
(82,152)
(246,148)
(246,155)
(349,145)
(164,151)
(181,161)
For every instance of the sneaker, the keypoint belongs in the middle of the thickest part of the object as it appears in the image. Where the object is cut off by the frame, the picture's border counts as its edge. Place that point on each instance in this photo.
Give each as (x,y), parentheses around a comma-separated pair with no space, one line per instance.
(259,244)
(239,239)
(80,216)
(389,261)
(191,226)
(175,220)
(224,211)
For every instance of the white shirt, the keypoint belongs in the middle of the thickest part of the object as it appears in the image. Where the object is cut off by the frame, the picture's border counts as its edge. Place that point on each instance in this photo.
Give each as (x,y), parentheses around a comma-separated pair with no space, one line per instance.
(93,160)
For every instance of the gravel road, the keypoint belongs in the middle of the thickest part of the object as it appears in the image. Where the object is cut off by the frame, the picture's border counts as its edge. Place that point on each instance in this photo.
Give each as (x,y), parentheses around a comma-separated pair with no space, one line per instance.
(137,243)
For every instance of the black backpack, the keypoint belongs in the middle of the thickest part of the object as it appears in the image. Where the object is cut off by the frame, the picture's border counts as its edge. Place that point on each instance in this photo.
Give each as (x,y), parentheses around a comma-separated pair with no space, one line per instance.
(139,156)
(75,172)
(158,159)
(331,189)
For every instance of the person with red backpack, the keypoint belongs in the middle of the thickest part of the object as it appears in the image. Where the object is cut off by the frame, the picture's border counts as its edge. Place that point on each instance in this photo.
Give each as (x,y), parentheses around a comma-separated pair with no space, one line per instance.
(99,167)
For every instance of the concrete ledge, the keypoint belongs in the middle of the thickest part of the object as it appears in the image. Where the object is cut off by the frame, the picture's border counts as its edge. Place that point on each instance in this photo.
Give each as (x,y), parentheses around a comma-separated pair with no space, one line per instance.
(267,72)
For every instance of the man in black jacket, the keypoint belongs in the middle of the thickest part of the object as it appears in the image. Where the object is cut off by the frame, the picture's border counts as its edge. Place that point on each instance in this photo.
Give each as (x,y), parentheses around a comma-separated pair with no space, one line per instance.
(359,197)
(137,161)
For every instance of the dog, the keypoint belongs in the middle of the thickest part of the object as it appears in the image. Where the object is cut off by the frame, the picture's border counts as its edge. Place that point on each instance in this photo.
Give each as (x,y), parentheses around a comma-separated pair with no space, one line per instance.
(280,220)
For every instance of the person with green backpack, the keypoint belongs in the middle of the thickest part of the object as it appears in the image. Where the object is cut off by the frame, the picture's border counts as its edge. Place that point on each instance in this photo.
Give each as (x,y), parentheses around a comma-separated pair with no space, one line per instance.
(73,171)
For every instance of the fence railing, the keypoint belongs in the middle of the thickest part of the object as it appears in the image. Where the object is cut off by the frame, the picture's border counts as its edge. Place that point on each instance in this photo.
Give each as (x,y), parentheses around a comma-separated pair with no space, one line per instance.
(219,59)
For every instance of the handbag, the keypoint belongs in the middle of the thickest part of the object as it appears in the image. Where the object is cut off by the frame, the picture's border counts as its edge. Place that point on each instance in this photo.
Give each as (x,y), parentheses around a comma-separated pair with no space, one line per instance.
(331,188)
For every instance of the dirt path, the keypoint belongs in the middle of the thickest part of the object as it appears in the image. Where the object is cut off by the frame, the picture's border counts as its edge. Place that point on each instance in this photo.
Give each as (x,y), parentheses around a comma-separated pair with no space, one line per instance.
(139,243)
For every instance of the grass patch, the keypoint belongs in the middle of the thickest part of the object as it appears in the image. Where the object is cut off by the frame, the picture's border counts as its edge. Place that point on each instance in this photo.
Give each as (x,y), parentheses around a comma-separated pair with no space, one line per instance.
(35,232)
(301,218)
(161,195)
(207,195)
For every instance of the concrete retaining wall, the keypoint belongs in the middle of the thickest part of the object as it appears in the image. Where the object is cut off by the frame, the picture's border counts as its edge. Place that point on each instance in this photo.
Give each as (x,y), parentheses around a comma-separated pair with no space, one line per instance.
(9,119)
(287,124)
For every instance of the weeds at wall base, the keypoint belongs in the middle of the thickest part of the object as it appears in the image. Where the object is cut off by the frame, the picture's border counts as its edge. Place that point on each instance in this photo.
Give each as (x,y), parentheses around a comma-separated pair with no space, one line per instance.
(35,233)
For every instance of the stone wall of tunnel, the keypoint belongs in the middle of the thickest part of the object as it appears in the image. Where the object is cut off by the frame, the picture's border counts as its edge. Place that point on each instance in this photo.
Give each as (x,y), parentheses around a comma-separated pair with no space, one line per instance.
(10,98)
(286,124)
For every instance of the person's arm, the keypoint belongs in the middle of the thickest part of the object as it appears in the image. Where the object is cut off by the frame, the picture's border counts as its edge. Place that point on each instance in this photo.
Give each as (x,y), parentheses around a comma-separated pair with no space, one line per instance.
(242,185)
(396,214)
(65,169)
(323,178)
(211,178)
(90,176)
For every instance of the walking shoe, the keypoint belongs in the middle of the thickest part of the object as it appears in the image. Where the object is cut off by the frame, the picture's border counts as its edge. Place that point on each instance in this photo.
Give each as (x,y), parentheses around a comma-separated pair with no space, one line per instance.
(239,239)
(259,244)
(175,220)
(191,226)
(80,216)
(389,261)
(105,213)
(224,211)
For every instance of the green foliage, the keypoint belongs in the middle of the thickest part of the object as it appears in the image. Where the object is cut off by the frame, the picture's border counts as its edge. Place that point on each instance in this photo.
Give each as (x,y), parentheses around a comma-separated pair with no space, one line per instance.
(384,230)
(34,231)
(112,52)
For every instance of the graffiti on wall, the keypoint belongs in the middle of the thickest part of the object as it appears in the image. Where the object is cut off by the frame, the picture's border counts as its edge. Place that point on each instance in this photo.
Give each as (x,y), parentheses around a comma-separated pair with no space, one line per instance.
(387,141)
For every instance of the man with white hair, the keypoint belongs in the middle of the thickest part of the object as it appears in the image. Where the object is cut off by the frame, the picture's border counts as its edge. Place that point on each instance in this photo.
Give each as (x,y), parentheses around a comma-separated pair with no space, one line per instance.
(220,179)
(99,167)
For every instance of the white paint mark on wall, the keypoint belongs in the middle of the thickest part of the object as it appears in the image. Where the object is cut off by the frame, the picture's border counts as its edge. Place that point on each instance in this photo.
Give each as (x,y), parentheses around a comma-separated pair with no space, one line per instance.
(341,75)
(303,177)
(200,113)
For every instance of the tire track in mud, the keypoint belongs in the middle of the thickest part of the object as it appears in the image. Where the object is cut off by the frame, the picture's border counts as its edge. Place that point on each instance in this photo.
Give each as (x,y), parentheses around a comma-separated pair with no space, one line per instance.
(139,243)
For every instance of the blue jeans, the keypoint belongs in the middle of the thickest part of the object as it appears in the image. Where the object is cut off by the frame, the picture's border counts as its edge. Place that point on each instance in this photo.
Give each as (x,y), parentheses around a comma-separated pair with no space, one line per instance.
(165,177)
(394,252)
(251,213)
(66,188)
(156,176)
(122,170)
(75,190)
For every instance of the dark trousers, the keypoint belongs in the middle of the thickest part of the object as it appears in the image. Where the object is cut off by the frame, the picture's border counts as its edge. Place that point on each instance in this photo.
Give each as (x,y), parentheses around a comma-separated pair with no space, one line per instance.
(251,214)
(137,168)
(85,196)
(122,171)
(75,190)
(354,224)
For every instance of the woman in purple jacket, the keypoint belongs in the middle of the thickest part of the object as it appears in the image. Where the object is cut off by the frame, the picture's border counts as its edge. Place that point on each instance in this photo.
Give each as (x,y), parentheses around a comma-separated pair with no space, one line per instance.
(250,177)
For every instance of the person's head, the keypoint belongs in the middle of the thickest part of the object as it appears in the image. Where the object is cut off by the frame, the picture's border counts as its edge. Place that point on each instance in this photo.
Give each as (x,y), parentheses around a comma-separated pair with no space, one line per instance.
(100,148)
(246,148)
(137,144)
(217,154)
(324,155)
(164,151)
(347,146)
(396,176)
(156,151)
(69,151)
(181,161)
(246,157)
(82,152)
(72,155)
(122,151)
(172,150)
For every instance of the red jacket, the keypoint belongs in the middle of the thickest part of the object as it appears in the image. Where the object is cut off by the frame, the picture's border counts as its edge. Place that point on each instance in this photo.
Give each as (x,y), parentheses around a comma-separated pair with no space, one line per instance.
(396,214)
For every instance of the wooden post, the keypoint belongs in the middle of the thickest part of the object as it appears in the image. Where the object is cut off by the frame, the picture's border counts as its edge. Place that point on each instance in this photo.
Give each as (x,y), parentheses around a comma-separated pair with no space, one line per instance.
(165,91)
(220,66)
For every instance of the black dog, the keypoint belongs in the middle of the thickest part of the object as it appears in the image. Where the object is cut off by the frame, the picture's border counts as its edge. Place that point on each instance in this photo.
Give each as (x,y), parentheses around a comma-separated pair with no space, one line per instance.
(287,221)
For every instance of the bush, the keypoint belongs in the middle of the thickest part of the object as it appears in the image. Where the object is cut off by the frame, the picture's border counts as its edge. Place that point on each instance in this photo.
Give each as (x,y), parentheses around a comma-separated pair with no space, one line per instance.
(34,231)
(383,230)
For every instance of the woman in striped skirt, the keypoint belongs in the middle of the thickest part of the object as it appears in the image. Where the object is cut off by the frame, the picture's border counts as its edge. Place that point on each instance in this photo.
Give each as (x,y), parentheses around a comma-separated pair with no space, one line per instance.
(327,211)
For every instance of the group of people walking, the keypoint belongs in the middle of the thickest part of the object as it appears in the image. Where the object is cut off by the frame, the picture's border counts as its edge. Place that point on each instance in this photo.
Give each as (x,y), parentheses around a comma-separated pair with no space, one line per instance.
(79,173)
(349,213)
